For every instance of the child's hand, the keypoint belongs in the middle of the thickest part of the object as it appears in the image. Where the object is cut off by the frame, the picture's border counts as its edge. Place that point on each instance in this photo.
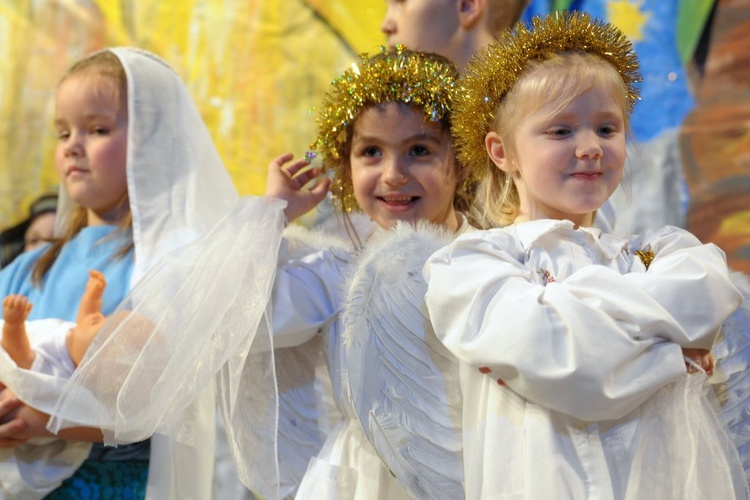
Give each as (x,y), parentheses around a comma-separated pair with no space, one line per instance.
(16,309)
(11,426)
(701,357)
(287,183)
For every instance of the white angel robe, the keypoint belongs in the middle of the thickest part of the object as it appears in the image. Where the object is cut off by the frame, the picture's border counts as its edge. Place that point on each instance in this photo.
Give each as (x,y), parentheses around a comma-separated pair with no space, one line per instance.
(563,335)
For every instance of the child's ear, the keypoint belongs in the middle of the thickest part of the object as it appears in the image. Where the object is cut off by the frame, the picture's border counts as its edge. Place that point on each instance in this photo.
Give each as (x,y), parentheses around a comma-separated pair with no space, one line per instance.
(470,12)
(496,149)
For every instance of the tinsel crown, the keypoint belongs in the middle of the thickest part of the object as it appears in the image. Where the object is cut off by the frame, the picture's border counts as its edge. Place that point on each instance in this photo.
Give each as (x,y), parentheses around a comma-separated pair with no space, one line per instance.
(424,80)
(493,72)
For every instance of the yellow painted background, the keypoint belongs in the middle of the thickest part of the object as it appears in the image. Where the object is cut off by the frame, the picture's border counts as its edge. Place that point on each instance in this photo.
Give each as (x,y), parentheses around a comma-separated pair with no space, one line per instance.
(254,67)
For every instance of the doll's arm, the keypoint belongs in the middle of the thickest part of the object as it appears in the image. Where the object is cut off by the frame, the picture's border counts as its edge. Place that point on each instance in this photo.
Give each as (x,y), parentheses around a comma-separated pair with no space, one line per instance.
(15,341)
(290,182)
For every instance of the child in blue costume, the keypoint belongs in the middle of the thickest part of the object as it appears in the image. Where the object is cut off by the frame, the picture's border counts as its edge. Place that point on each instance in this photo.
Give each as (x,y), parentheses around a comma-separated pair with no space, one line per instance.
(140,177)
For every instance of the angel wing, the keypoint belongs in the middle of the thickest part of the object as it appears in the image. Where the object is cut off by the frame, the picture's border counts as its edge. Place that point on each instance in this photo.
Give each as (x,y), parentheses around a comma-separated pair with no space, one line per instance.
(731,379)
(404,383)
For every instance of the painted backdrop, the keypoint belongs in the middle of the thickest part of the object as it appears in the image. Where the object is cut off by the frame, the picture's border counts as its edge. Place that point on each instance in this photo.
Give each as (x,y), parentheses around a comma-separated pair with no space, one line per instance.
(254,67)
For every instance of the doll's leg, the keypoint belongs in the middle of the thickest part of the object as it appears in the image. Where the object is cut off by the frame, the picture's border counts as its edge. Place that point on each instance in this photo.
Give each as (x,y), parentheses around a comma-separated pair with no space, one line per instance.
(89,319)
(80,336)
(91,302)
(16,309)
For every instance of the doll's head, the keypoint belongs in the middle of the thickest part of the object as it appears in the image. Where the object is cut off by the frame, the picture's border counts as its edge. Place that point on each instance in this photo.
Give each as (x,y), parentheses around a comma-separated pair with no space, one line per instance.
(541,77)
(384,133)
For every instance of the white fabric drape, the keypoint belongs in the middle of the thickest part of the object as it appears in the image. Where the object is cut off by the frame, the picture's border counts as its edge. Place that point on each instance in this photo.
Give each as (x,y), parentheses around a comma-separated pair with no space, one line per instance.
(178,190)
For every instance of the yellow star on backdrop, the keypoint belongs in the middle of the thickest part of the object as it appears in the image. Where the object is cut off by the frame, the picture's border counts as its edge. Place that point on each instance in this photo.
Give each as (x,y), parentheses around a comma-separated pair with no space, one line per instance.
(627,16)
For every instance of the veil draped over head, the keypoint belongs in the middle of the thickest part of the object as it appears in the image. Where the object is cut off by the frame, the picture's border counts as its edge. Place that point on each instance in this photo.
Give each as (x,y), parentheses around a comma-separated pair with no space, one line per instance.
(182,339)
(150,371)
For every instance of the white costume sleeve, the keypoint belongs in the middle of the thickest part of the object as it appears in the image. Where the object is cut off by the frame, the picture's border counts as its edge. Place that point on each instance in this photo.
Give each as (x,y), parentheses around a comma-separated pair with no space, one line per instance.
(592,346)
(690,282)
(730,381)
(305,296)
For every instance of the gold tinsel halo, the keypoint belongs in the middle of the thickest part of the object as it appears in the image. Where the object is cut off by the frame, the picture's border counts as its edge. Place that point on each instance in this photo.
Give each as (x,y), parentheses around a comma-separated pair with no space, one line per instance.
(427,81)
(493,72)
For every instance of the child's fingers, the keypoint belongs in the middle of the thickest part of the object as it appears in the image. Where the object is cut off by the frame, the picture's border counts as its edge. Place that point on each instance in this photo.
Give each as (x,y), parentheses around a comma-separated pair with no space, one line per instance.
(313,181)
(320,189)
(7,432)
(8,403)
(298,167)
(279,161)
(708,363)
(303,177)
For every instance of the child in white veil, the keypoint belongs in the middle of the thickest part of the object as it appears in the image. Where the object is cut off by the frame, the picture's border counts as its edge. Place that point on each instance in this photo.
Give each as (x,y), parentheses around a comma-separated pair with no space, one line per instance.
(176,189)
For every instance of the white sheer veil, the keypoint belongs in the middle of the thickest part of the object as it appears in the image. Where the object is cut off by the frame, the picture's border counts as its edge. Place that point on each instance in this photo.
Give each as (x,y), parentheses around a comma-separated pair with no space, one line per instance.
(178,190)
(195,320)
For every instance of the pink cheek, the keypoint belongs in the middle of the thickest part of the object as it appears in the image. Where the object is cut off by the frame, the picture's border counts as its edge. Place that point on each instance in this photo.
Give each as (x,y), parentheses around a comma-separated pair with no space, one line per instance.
(59,165)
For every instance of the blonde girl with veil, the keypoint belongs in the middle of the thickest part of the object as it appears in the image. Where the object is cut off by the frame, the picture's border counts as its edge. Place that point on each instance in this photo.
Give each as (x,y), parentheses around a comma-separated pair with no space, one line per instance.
(140,178)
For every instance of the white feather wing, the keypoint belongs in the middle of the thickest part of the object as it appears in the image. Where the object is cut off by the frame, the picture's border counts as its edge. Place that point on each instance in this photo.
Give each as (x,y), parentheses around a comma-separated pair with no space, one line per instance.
(731,379)
(404,383)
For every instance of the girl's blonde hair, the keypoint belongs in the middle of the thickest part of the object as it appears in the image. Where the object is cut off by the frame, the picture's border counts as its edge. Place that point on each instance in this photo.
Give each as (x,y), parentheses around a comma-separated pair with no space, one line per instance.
(551,84)
(106,66)
(540,55)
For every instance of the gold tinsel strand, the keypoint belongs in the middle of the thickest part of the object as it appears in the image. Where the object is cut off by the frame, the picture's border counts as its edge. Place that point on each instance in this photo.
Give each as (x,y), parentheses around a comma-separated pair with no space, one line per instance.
(427,81)
(493,72)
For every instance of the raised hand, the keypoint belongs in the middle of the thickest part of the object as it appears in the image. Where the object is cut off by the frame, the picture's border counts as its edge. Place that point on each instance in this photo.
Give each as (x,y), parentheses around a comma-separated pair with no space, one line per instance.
(302,188)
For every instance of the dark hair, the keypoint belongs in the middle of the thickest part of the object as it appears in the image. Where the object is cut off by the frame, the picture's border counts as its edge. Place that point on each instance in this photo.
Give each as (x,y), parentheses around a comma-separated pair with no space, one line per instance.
(12,239)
